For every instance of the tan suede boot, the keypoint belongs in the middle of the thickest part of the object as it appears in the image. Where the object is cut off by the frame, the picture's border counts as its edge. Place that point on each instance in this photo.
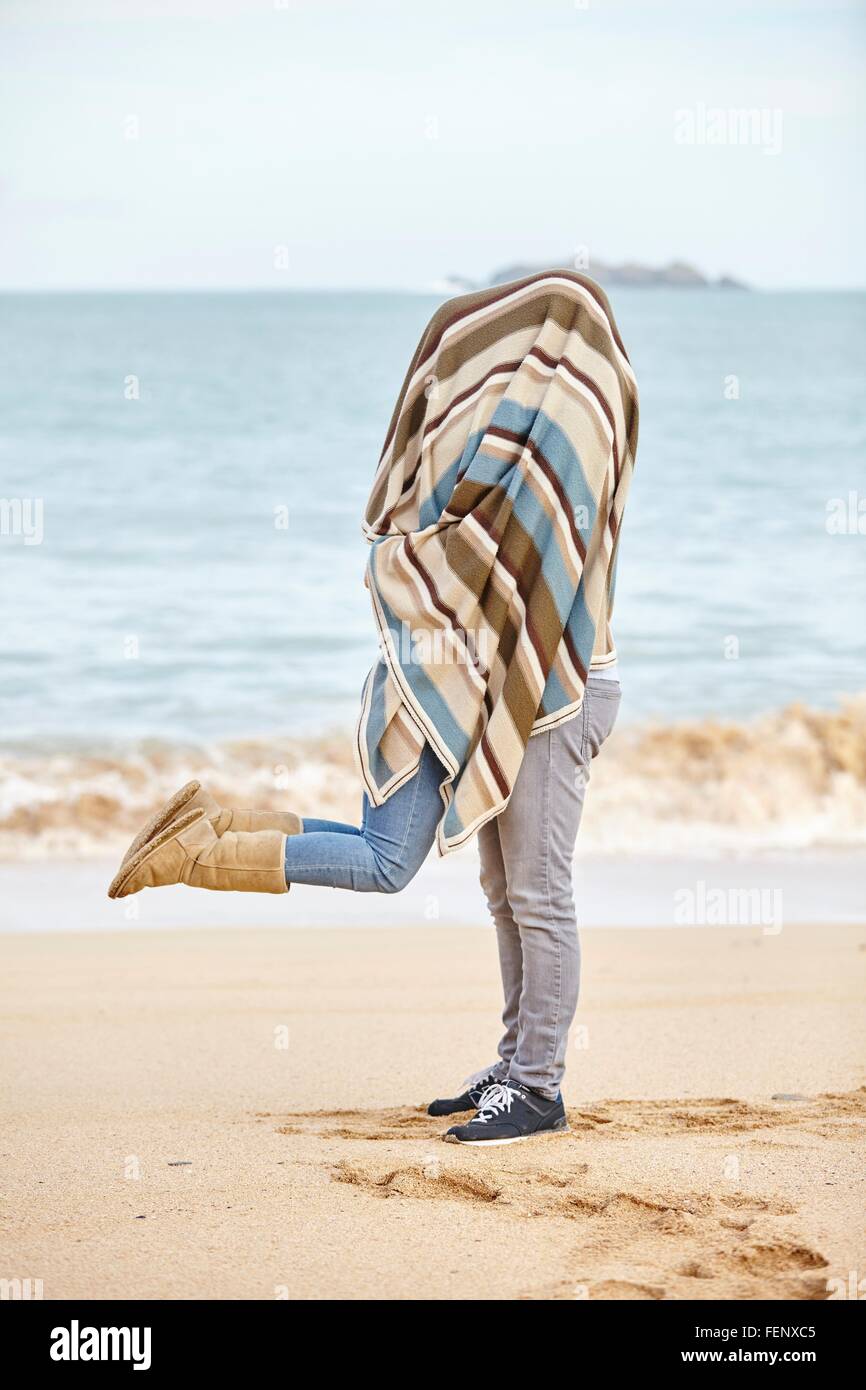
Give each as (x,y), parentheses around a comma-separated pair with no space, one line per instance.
(192,797)
(189,851)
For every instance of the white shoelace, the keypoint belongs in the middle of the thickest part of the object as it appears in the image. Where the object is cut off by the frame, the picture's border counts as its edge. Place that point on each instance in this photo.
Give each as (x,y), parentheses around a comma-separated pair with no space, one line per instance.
(495,1101)
(485,1074)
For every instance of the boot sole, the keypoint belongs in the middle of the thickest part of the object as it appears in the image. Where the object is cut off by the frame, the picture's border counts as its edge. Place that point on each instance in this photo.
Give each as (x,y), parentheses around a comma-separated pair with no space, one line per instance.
(170,832)
(167,813)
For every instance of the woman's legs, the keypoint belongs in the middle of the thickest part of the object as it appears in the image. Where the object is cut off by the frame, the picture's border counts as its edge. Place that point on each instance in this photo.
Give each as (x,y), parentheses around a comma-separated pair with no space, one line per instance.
(529,889)
(385,852)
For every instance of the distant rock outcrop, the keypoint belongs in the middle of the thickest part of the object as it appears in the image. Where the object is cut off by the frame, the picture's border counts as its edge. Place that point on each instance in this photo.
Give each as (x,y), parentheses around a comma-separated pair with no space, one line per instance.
(678,275)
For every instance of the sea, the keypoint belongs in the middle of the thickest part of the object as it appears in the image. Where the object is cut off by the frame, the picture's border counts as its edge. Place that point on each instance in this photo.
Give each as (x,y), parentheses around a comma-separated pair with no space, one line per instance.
(182,480)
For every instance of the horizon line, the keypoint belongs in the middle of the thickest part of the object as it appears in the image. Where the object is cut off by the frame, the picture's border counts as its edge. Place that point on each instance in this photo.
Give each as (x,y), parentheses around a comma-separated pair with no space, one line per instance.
(402,289)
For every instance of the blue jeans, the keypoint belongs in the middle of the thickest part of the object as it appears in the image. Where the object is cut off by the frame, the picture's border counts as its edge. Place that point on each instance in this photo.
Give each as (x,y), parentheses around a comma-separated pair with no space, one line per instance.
(386,851)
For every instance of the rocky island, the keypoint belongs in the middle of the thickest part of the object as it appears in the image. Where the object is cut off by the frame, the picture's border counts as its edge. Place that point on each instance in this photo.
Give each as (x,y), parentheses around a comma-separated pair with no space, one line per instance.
(675,275)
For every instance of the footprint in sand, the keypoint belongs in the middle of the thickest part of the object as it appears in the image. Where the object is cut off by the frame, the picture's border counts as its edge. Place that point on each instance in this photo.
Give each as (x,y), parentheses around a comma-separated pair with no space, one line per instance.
(831,1113)
(630,1243)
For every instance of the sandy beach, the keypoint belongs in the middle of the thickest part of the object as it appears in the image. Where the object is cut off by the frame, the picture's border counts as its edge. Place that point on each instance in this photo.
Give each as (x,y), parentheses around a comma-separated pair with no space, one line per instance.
(341,496)
(239,1114)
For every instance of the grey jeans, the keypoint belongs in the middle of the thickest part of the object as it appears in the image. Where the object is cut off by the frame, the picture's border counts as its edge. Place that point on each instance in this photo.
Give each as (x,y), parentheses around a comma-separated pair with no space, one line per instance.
(526,875)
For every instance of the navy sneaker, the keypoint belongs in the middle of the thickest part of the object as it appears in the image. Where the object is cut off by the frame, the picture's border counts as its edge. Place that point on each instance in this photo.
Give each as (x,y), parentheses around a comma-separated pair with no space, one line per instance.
(475,1085)
(509,1112)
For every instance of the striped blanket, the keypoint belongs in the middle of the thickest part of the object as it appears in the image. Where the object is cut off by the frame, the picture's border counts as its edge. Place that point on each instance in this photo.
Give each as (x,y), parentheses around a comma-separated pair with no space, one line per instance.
(493,524)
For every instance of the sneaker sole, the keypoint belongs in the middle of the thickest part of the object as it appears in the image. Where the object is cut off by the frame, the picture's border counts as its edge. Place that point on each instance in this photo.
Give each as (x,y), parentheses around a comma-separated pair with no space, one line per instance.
(497,1143)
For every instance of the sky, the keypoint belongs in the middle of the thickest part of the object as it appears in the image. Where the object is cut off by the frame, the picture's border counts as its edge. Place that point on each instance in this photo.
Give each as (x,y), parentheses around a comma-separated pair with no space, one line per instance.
(307,143)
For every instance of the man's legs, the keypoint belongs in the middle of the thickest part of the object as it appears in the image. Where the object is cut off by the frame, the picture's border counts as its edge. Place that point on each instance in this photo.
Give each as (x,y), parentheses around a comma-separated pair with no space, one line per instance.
(529,888)
(507,938)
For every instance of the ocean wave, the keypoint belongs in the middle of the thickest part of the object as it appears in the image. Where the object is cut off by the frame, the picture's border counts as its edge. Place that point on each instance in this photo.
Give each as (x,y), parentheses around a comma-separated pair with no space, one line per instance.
(789,780)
